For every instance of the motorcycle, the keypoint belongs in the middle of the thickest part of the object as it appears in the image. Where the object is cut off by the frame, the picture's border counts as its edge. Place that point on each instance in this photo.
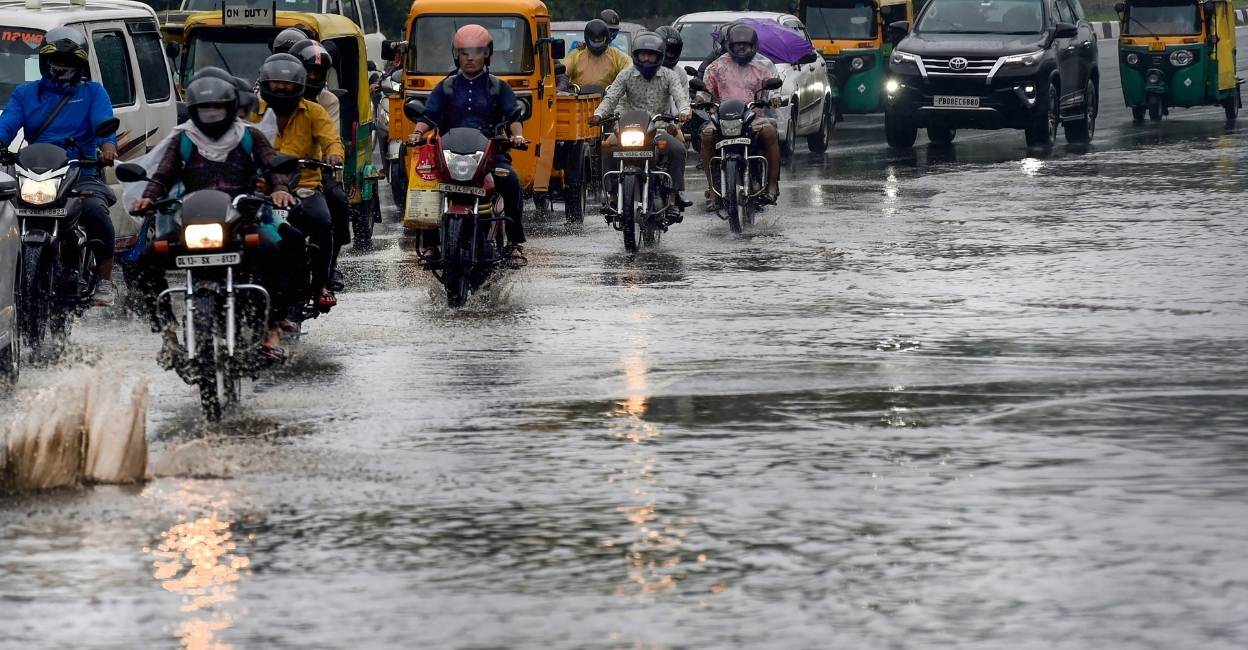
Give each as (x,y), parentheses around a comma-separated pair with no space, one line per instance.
(641,181)
(392,150)
(742,174)
(58,269)
(472,227)
(207,236)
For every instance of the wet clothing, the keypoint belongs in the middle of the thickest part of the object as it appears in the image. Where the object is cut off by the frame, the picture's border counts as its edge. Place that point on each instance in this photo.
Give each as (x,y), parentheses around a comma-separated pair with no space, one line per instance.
(632,92)
(330,103)
(309,134)
(726,79)
(587,69)
(32,103)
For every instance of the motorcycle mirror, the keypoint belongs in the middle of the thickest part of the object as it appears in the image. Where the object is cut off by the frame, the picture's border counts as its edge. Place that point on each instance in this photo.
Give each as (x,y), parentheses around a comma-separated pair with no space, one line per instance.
(414,109)
(131,173)
(107,127)
(389,49)
(518,113)
(283,164)
(809,57)
(561,69)
(1120,8)
(8,187)
(372,66)
(691,71)
(373,78)
(172,50)
(773,83)
(698,85)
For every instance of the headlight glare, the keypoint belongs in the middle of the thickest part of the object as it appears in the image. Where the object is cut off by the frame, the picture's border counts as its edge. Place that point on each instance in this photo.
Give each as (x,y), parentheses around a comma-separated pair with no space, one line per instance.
(892,86)
(40,192)
(462,166)
(202,236)
(632,138)
(730,128)
(1180,58)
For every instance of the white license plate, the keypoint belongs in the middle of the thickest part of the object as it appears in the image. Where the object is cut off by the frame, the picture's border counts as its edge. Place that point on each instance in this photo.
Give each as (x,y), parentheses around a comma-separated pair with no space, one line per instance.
(216,259)
(281,213)
(952,101)
(633,154)
(461,189)
(728,142)
(49,212)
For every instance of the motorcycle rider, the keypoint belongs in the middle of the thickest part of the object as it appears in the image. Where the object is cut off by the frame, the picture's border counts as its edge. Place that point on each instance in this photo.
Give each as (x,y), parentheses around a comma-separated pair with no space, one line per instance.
(214,150)
(673,45)
(304,131)
(649,86)
(63,105)
(596,64)
(474,98)
(740,74)
(612,18)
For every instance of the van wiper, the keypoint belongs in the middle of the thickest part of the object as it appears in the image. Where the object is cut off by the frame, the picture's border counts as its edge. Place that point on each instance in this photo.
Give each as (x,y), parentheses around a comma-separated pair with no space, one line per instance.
(1141,24)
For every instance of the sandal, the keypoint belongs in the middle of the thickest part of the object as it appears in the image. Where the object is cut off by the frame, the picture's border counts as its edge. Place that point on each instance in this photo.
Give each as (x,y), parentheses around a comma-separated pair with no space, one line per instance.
(327,300)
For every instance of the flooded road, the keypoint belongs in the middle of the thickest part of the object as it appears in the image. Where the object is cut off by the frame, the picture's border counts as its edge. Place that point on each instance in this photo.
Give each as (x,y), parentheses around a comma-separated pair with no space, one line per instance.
(975,397)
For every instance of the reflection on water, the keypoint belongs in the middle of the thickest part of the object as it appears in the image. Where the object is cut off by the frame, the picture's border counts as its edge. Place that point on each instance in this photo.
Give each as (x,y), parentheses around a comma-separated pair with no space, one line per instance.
(198,559)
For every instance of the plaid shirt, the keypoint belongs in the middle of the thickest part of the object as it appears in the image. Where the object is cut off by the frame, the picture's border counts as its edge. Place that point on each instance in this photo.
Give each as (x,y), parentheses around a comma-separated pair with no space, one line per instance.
(631,92)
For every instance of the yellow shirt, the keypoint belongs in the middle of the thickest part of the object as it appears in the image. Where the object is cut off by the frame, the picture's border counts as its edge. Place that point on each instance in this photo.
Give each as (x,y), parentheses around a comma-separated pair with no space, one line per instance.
(309,133)
(585,69)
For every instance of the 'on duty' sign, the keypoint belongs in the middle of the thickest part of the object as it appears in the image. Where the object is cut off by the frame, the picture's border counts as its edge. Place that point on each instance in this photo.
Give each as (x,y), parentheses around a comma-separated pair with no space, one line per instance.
(248,15)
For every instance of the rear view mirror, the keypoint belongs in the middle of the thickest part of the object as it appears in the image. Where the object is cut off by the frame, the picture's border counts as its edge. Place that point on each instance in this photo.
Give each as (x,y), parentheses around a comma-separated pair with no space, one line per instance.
(397,77)
(518,113)
(389,49)
(372,66)
(339,92)
(1065,30)
(698,85)
(107,127)
(131,173)
(558,49)
(902,26)
(561,69)
(8,187)
(172,50)
(414,109)
(691,71)
(773,83)
(809,57)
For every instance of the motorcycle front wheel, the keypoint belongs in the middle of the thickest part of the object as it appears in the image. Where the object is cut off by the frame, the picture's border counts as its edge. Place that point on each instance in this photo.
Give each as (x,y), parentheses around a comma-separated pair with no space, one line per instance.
(628,216)
(35,300)
(455,264)
(219,386)
(731,189)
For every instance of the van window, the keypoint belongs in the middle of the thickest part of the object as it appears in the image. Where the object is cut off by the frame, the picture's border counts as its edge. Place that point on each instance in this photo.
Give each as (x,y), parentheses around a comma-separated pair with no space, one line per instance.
(152,70)
(368,13)
(349,10)
(116,72)
(19,58)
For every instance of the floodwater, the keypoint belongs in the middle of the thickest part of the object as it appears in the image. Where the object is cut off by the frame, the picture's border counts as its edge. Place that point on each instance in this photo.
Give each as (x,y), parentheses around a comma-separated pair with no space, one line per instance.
(975,397)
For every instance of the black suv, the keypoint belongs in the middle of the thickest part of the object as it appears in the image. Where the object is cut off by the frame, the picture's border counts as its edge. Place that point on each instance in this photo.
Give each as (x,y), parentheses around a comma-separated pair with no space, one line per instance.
(993,64)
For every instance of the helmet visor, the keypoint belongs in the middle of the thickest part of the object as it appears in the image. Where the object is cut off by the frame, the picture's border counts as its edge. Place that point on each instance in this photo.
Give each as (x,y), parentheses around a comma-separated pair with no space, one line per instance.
(472,52)
(212,113)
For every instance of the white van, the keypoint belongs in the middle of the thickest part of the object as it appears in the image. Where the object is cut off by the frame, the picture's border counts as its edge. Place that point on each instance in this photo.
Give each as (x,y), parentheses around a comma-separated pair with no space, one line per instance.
(362,12)
(127,57)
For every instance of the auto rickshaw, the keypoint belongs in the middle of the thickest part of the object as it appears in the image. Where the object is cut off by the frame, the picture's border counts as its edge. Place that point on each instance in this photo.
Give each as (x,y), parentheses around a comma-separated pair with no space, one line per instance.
(1177,53)
(854,37)
(557,163)
(239,44)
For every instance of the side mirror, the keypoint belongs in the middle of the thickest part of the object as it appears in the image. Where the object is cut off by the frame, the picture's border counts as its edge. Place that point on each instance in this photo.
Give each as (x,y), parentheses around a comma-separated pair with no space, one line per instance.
(558,49)
(389,49)
(561,69)
(172,50)
(8,187)
(809,57)
(372,66)
(774,83)
(902,26)
(131,173)
(1065,30)
(691,71)
(1120,8)
(698,85)
(414,109)
(283,164)
(107,127)
(517,114)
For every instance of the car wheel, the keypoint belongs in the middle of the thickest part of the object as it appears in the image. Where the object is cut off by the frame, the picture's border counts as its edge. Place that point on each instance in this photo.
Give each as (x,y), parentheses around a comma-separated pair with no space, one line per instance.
(818,141)
(899,132)
(1043,131)
(789,146)
(1081,132)
(1231,106)
(941,135)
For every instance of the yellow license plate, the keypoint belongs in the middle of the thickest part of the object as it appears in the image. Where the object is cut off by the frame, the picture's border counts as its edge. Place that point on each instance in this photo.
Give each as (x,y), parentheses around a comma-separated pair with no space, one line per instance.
(832,49)
(1156,46)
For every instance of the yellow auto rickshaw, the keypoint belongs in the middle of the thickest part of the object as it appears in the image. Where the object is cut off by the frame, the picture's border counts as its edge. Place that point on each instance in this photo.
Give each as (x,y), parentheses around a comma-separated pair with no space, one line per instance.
(854,38)
(238,42)
(557,163)
(1177,53)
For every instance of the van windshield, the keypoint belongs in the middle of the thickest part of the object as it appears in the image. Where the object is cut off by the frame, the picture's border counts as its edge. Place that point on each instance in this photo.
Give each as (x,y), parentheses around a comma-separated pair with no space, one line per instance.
(1169,17)
(982,17)
(310,6)
(19,58)
(237,51)
(430,48)
(837,19)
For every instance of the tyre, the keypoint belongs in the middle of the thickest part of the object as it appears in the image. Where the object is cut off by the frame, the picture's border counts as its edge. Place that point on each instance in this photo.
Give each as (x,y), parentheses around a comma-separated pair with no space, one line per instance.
(10,353)
(732,193)
(789,146)
(455,269)
(1231,106)
(1137,114)
(1155,109)
(941,135)
(899,132)
(1081,131)
(650,230)
(628,217)
(34,306)
(817,142)
(213,373)
(1043,131)
(576,195)
(398,185)
(363,221)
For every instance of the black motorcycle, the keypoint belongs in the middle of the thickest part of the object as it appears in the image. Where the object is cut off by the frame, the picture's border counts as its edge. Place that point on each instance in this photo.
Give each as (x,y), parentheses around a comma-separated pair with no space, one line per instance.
(641,180)
(742,173)
(59,267)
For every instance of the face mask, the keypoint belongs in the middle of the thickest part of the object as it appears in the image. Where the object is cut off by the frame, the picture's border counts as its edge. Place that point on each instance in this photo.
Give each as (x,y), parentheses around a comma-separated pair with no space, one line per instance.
(742,56)
(212,115)
(647,70)
(596,47)
(63,73)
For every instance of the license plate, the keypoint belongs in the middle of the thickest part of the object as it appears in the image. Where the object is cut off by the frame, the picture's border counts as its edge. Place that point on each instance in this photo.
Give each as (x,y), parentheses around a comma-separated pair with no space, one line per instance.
(216,259)
(1156,46)
(632,154)
(951,101)
(461,189)
(49,212)
(731,141)
(281,213)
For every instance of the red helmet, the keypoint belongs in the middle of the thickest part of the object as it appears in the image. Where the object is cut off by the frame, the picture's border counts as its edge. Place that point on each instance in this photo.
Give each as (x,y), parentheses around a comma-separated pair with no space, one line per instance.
(470,37)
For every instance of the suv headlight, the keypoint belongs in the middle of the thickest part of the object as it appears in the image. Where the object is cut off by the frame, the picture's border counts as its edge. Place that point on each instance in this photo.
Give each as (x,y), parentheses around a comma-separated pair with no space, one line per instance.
(462,166)
(730,128)
(40,192)
(202,236)
(1023,60)
(905,57)
(1180,58)
(632,138)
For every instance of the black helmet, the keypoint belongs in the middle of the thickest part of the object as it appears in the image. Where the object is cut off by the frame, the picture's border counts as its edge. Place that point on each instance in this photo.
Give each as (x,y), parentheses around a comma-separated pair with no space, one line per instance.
(286,39)
(283,68)
(212,103)
(317,62)
(742,43)
(648,42)
(63,56)
(597,37)
(611,18)
(673,44)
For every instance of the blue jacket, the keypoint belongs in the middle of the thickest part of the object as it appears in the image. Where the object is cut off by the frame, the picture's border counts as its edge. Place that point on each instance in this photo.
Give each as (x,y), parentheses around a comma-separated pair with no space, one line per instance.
(33,101)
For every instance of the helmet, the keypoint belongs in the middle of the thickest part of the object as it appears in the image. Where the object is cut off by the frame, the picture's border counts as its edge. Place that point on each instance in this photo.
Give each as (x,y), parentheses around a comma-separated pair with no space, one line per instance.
(597,37)
(648,42)
(63,56)
(471,37)
(282,68)
(673,44)
(611,18)
(317,62)
(213,104)
(285,39)
(246,96)
(742,42)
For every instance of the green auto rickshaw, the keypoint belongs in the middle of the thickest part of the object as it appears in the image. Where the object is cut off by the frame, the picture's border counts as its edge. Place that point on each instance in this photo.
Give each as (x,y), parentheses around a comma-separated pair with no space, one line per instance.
(855,40)
(1177,53)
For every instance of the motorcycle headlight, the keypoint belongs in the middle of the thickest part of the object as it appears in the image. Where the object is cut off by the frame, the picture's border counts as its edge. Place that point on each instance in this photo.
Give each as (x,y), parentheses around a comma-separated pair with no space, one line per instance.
(1180,58)
(632,138)
(856,63)
(730,128)
(40,192)
(1132,58)
(1024,60)
(462,166)
(203,236)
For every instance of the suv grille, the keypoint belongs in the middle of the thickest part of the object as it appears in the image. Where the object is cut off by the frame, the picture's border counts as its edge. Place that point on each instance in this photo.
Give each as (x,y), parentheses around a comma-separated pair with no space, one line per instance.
(941,67)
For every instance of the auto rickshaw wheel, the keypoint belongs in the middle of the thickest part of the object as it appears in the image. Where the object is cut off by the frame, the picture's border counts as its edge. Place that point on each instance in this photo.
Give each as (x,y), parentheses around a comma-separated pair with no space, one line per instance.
(1154,108)
(1137,114)
(398,185)
(1231,106)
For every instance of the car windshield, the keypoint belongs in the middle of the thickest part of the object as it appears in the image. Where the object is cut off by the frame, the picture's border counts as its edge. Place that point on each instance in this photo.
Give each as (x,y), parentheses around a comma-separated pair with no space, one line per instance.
(19,58)
(698,40)
(310,6)
(237,51)
(982,17)
(431,44)
(836,19)
(1144,19)
(573,38)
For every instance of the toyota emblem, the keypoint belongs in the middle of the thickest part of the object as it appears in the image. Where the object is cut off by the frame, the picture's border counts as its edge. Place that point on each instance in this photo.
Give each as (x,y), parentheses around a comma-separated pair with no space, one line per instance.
(957,63)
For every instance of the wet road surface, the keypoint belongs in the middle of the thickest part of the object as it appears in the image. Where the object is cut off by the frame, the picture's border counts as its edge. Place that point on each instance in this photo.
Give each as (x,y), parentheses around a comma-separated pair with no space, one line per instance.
(976,397)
